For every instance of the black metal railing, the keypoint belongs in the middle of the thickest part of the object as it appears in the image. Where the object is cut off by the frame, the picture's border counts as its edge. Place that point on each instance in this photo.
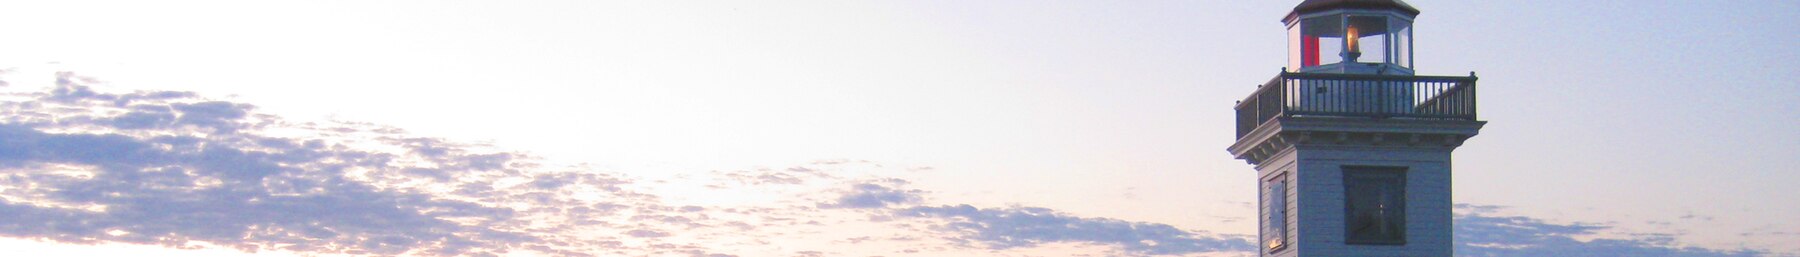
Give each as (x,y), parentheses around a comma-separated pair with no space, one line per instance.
(1358,95)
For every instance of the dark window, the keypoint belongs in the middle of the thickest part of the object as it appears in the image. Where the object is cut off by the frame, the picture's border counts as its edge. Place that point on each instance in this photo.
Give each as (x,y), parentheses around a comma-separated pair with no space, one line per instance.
(1374,205)
(1276,231)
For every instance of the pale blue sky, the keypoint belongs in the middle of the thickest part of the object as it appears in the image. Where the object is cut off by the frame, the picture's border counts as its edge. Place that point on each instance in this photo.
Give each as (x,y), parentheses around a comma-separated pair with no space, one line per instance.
(1646,117)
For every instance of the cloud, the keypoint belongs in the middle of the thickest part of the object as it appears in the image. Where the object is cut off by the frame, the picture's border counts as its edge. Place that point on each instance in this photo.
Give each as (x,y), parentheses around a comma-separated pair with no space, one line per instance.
(172,168)
(1024,227)
(876,195)
(1479,233)
(154,181)
(1004,228)
(646,233)
(218,115)
(772,177)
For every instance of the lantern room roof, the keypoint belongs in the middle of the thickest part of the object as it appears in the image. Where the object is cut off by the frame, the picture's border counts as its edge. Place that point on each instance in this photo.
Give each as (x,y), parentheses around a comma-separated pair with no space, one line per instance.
(1310,6)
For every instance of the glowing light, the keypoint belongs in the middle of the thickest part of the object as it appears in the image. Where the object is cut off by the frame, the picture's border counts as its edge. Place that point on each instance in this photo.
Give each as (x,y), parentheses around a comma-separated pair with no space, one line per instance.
(1350,36)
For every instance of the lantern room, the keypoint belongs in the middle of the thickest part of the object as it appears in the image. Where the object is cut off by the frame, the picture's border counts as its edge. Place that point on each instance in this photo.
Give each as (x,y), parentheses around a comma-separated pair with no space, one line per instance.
(1351,37)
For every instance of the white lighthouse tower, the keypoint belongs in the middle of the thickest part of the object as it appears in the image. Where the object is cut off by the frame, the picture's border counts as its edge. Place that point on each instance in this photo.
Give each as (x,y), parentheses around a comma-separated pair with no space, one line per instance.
(1352,150)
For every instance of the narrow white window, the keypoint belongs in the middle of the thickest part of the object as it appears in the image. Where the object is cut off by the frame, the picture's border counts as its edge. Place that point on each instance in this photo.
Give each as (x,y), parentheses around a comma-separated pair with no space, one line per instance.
(1276,231)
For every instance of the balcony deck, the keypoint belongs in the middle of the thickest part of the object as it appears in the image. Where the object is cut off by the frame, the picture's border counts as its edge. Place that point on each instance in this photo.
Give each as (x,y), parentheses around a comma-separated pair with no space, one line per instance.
(1358,96)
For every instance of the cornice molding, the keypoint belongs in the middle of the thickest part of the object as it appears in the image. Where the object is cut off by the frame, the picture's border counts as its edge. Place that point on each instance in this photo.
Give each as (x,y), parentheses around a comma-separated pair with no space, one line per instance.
(1283,133)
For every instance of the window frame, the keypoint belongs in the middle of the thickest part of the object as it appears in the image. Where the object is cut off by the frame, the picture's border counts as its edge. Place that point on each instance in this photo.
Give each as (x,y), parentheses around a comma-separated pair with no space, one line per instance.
(1392,185)
(1276,191)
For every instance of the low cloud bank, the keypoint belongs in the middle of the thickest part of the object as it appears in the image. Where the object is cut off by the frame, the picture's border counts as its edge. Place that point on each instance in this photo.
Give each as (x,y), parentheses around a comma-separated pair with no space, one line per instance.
(176,169)
(1479,232)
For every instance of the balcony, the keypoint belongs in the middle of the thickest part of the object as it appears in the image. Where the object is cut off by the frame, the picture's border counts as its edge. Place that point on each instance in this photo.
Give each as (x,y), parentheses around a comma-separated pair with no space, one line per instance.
(1358,96)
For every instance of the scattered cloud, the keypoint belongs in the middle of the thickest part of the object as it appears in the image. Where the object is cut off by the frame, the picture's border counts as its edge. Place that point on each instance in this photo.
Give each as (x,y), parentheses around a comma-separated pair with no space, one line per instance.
(646,233)
(1003,228)
(175,169)
(877,194)
(1480,233)
(157,168)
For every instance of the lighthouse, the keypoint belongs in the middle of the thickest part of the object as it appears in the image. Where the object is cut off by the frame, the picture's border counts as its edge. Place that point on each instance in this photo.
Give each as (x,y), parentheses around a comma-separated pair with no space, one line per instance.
(1352,149)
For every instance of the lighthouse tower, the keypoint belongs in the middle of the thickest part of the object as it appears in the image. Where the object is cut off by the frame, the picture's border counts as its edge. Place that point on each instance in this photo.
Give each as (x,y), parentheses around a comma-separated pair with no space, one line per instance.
(1351,148)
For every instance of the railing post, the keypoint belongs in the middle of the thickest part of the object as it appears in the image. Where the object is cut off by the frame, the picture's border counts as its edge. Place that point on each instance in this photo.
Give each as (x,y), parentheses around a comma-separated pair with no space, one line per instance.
(1472,96)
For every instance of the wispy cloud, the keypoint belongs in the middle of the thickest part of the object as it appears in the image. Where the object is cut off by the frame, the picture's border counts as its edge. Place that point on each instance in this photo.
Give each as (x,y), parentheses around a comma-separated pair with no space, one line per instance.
(1480,233)
(176,169)
(1002,228)
(162,168)
(876,194)
(173,168)
(1016,227)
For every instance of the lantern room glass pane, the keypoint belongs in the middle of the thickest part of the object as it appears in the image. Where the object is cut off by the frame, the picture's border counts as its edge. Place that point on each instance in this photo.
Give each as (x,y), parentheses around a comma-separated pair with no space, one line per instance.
(1368,38)
(1294,63)
(1403,43)
(1322,40)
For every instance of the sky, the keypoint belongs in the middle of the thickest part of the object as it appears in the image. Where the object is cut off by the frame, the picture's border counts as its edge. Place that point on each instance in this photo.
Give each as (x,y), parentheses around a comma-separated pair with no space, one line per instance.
(831,128)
